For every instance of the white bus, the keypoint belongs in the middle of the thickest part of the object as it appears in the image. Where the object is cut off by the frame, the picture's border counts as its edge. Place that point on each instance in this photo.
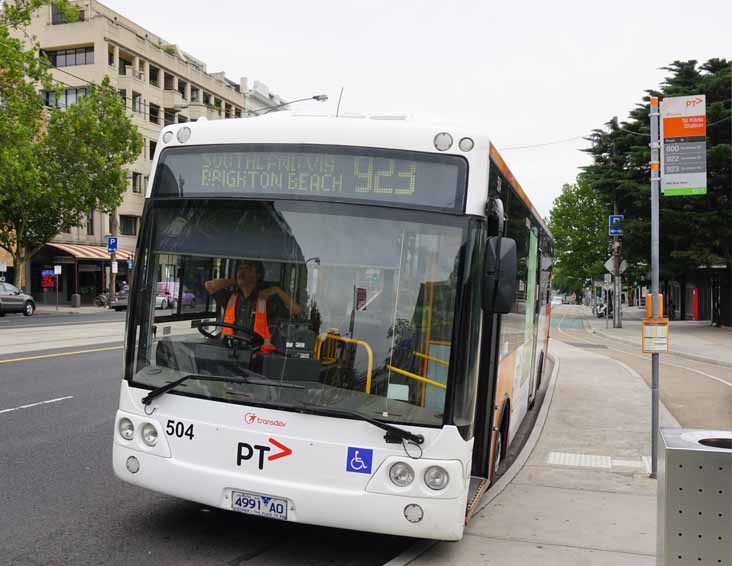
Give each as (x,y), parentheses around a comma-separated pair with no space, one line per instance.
(395,342)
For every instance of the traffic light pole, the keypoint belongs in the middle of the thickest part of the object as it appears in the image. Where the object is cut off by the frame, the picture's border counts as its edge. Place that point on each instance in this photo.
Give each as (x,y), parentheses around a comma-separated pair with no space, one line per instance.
(655,362)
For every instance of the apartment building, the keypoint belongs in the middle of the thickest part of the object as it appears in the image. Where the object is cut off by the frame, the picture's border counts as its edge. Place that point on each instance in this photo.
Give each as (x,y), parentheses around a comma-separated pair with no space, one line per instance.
(161,85)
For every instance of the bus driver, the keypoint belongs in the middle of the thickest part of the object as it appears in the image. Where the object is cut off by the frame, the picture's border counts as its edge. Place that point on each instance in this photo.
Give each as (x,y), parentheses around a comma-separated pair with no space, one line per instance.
(245,301)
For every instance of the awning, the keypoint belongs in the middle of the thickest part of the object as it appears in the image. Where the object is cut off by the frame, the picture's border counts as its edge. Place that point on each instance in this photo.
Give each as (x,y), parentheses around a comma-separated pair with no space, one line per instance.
(80,251)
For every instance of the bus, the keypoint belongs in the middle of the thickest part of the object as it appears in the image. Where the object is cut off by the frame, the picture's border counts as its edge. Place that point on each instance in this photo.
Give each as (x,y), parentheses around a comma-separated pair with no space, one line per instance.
(400,330)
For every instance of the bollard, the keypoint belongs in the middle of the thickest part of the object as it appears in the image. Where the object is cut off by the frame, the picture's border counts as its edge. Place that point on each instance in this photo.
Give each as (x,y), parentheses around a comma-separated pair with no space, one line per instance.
(694,497)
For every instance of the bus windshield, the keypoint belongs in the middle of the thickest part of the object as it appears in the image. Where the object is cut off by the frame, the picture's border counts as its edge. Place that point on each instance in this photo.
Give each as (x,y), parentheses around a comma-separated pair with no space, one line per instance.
(353,304)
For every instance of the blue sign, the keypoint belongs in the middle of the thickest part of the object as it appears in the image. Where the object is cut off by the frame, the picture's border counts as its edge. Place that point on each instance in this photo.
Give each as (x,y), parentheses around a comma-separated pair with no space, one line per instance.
(615,225)
(359,460)
(130,263)
(112,245)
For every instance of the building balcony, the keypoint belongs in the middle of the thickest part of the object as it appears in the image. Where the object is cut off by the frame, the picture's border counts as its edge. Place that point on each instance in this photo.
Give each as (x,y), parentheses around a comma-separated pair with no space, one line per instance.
(129,79)
(173,98)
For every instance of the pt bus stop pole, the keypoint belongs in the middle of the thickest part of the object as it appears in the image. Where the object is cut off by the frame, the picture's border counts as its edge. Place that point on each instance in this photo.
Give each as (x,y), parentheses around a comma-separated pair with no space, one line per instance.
(655,182)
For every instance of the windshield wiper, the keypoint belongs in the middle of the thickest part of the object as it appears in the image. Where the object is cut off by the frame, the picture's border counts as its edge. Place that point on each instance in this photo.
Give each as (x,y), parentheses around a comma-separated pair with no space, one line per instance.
(250,380)
(394,434)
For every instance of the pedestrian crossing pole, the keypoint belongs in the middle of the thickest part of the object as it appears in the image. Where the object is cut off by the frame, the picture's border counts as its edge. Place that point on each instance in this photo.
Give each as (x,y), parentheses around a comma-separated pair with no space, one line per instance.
(655,189)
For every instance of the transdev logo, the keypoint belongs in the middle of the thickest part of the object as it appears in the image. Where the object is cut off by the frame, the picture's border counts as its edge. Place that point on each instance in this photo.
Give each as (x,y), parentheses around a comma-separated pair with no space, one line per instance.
(252,418)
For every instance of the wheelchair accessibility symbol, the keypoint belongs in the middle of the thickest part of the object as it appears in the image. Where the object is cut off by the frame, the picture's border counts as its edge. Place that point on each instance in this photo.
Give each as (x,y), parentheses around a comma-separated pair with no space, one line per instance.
(359,460)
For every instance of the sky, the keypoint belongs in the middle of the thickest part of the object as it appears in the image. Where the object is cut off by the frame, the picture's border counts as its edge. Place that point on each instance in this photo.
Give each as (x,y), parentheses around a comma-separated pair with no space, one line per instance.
(524,73)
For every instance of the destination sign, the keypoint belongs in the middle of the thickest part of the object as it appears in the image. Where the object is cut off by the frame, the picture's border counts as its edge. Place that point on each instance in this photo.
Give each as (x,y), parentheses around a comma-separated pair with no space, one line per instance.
(684,147)
(400,178)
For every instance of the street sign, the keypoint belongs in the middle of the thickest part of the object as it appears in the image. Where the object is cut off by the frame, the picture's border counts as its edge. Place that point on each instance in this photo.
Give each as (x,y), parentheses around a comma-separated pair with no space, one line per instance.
(130,263)
(615,224)
(610,265)
(57,269)
(3,267)
(683,145)
(115,267)
(112,245)
(608,278)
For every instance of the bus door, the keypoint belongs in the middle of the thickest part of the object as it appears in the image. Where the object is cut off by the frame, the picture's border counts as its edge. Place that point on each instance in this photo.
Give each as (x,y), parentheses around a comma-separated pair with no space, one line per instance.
(532,310)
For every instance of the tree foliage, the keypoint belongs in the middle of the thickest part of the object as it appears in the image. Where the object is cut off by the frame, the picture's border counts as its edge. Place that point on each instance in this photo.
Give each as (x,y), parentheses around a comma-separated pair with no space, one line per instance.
(55,165)
(578,221)
(694,230)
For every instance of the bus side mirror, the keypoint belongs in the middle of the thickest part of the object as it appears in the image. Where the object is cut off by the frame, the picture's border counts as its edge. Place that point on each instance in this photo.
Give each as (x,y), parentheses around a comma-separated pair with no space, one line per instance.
(499,276)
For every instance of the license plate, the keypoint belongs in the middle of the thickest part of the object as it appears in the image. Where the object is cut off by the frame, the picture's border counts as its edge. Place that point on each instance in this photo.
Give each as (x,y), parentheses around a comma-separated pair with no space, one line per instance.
(262,505)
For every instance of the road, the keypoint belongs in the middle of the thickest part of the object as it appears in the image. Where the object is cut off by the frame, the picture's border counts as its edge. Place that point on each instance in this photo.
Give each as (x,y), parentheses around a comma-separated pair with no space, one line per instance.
(61,503)
(698,394)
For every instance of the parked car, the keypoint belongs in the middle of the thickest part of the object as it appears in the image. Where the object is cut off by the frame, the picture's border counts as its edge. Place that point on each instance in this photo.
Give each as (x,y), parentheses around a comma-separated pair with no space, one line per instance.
(13,299)
(120,300)
(164,300)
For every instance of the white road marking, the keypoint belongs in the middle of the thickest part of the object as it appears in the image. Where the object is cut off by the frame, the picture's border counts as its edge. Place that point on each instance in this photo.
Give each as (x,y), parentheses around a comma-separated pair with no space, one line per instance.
(645,357)
(579,460)
(36,404)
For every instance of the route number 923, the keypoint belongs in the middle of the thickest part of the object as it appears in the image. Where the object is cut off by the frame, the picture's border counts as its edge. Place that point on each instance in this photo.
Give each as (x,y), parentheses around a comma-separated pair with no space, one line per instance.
(179,429)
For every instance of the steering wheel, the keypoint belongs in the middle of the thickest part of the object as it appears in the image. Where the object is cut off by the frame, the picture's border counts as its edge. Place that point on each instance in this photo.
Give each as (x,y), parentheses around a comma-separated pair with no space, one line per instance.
(247,339)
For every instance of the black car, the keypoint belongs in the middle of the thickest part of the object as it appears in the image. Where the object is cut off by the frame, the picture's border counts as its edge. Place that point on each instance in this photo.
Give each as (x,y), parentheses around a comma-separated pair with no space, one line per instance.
(13,299)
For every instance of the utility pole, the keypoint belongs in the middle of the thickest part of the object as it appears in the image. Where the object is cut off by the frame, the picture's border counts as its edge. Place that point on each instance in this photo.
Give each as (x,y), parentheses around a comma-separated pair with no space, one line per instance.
(655,361)
(617,312)
(113,229)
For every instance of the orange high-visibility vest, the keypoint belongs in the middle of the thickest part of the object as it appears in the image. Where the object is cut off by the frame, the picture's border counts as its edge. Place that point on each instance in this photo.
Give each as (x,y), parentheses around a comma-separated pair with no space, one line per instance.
(261,326)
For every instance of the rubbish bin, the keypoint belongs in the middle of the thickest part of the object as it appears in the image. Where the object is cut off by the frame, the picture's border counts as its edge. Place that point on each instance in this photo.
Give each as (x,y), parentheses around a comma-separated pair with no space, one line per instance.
(694,497)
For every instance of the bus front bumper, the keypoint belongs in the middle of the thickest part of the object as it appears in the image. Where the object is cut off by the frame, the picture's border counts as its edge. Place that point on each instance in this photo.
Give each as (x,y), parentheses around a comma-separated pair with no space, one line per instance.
(312,504)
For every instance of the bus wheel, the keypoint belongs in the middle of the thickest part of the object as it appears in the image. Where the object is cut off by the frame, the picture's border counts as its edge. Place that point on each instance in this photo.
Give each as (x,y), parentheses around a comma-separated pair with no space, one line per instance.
(498,453)
(540,371)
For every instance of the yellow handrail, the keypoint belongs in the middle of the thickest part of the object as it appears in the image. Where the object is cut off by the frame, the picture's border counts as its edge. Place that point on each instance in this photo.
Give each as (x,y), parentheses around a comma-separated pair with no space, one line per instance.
(369,352)
(432,359)
(416,377)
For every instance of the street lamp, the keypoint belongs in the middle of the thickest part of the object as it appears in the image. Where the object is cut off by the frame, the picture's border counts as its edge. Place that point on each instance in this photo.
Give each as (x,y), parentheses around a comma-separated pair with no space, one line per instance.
(318,97)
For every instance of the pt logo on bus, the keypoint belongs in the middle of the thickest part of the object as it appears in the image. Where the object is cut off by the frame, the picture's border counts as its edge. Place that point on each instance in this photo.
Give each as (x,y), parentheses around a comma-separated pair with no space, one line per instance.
(245,452)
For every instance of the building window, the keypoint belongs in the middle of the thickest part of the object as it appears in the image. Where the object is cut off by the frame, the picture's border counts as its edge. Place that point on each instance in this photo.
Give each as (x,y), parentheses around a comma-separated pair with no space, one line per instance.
(145,182)
(182,119)
(154,113)
(110,56)
(154,75)
(90,223)
(123,95)
(237,112)
(206,99)
(67,97)
(153,147)
(136,102)
(128,225)
(169,117)
(182,88)
(136,182)
(195,94)
(70,57)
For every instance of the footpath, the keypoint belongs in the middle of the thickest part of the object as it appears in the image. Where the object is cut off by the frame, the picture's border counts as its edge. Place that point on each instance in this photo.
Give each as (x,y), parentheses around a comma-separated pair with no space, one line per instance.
(583,497)
(697,341)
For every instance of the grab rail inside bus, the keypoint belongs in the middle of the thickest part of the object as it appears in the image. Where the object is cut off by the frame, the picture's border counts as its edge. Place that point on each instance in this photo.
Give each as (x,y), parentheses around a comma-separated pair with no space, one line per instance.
(416,377)
(431,358)
(330,350)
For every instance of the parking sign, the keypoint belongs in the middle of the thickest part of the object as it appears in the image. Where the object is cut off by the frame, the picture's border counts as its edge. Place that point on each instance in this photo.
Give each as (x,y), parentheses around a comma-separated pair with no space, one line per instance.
(112,245)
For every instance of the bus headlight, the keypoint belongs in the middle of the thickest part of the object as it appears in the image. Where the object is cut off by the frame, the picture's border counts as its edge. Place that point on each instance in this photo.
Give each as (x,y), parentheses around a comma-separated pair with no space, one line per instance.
(149,434)
(436,477)
(126,429)
(401,474)
(167,136)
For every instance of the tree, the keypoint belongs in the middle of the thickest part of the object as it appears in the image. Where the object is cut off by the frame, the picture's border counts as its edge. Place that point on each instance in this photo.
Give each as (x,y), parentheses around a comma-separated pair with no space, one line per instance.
(578,221)
(57,165)
(697,230)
